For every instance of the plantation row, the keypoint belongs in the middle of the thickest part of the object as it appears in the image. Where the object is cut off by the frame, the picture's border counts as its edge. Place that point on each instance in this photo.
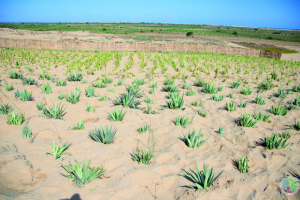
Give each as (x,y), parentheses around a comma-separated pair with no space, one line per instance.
(131,99)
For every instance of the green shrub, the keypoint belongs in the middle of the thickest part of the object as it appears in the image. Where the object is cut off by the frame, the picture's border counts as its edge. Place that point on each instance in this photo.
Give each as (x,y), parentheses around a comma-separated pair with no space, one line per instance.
(9,87)
(89,91)
(247,121)
(103,97)
(235,85)
(28,81)
(75,77)
(286,135)
(90,108)
(47,89)
(4,108)
(142,157)
(24,96)
(296,88)
(281,93)
(15,118)
(170,88)
(209,89)
(73,98)
(84,174)
(79,126)
(112,89)
(139,81)
(243,165)
(266,85)
(150,110)
(297,101)
(61,83)
(85,81)
(190,93)
(15,75)
(103,135)
(143,129)
(260,101)
(231,106)
(274,142)
(134,90)
(57,150)
(127,100)
(200,82)
(26,132)
(175,103)
(56,111)
(106,80)
(169,81)
(217,98)
(246,91)
(40,105)
(194,141)
(44,76)
(277,110)
(116,115)
(99,84)
(202,180)
(181,121)
(296,126)
(262,117)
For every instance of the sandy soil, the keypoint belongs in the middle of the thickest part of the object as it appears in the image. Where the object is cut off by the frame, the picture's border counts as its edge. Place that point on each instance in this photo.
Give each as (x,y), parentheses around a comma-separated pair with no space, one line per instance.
(126,179)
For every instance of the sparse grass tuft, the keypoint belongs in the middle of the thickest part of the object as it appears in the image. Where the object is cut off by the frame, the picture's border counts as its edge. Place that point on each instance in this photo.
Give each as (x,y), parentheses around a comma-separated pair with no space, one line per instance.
(262,117)
(79,126)
(76,76)
(9,87)
(47,89)
(24,96)
(260,101)
(139,81)
(142,157)
(116,115)
(209,89)
(175,103)
(15,118)
(274,142)
(15,75)
(26,132)
(170,88)
(296,88)
(148,100)
(40,105)
(266,85)
(277,110)
(231,106)
(57,150)
(246,91)
(217,98)
(296,126)
(281,93)
(181,121)
(169,81)
(221,130)
(99,84)
(61,83)
(103,97)
(56,111)
(60,96)
(190,93)
(73,98)
(154,85)
(297,101)
(243,165)
(28,81)
(200,82)
(89,91)
(243,104)
(120,82)
(4,108)
(194,141)
(235,85)
(143,129)
(247,121)
(186,86)
(103,135)
(90,108)
(203,113)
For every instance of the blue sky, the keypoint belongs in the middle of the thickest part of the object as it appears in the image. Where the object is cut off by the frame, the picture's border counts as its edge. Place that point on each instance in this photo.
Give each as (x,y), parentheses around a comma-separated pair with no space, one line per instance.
(255,13)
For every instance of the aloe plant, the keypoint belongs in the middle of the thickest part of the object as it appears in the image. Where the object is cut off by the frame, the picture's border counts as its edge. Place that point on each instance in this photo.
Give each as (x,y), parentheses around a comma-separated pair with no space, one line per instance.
(142,157)
(192,140)
(57,150)
(103,135)
(186,86)
(56,111)
(84,174)
(297,101)
(90,108)
(116,115)
(202,180)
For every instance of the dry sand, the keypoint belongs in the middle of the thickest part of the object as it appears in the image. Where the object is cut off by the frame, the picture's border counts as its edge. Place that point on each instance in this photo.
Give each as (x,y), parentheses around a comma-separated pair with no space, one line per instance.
(127,179)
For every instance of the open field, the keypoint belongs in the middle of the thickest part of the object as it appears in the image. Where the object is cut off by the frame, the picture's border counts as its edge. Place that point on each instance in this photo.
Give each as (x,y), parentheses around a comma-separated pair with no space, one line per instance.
(171,94)
(129,28)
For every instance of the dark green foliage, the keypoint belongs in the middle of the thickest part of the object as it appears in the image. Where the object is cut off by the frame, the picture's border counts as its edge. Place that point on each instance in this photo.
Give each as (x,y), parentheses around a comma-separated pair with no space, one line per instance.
(194,141)
(197,103)
(75,77)
(90,108)
(106,80)
(169,81)
(103,135)
(24,96)
(120,82)
(142,157)
(99,84)
(116,115)
(154,85)
(56,111)
(148,100)
(266,85)
(186,86)
(170,88)
(44,76)
(243,104)
(84,174)
(296,126)
(4,108)
(26,132)
(277,110)
(297,101)
(134,90)
(274,142)
(127,99)
(281,93)
(247,121)
(230,95)
(143,129)
(286,135)
(57,150)
(202,180)
(220,89)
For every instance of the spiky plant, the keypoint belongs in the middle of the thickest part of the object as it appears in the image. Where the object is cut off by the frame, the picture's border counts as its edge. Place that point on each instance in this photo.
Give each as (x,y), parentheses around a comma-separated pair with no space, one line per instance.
(139,81)
(151,91)
(231,106)
(296,88)
(221,130)
(197,103)
(56,111)
(148,100)
(79,126)
(103,97)
(99,84)
(190,93)
(85,81)
(28,81)
(15,118)
(9,87)
(116,115)
(217,98)
(200,82)
(142,157)
(26,132)
(40,105)
(84,174)
(15,75)
(235,85)
(169,81)
(76,76)
(260,101)
(112,89)
(220,89)
(4,108)
(297,101)
(209,88)
(296,126)
(106,80)
(181,121)
(89,91)
(202,180)
(143,129)
(154,85)
(150,110)
(274,142)
(277,110)
(134,90)
(243,165)
(120,82)
(44,76)
(61,83)
(60,96)
(246,91)
(247,121)
(57,150)
(47,89)
(103,135)
(262,117)
(274,75)
(243,104)
(170,88)
(230,95)
(90,108)
(186,86)
(266,85)
(127,100)
(203,113)
(286,135)
(73,98)
(175,103)
(192,140)
(281,93)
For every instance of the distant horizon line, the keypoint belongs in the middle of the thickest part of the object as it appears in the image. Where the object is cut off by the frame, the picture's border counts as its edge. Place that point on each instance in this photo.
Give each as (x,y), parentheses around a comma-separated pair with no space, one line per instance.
(144,23)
